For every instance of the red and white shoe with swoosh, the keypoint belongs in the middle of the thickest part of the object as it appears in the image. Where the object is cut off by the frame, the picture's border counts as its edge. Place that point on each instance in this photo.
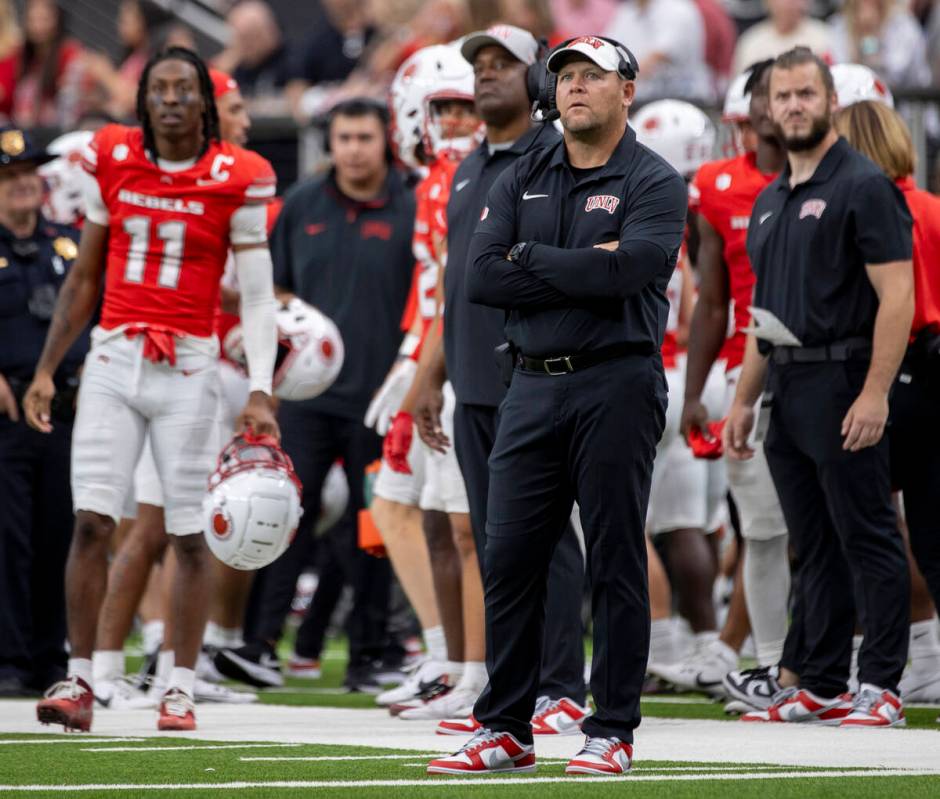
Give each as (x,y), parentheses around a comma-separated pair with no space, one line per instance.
(487,752)
(797,705)
(558,717)
(463,726)
(603,756)
(875,707)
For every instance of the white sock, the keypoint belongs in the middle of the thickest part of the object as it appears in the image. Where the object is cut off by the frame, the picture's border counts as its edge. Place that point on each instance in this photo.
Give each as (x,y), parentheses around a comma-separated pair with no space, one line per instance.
(165,661)
(152,634)
(107,664)
(82,668)
(184,679)
(474,677)
(435,643)
(705,640)
(454,671)
(664,642)
(767,591)
(925,645)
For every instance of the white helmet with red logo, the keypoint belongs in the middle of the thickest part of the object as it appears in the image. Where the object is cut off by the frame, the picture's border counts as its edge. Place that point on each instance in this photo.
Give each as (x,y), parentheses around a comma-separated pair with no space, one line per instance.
(677,131)
(65,200)
(452,79)
(413,81)
(310,351)
(737,107)
(252,508)
(856,82)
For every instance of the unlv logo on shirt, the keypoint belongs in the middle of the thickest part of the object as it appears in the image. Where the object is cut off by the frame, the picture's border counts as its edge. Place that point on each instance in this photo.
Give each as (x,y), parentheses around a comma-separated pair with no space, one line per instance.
(812,208)
(606,201)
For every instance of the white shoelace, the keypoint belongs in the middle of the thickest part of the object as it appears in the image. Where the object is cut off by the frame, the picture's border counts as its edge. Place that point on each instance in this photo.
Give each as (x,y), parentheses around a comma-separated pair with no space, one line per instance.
(865,700)
(481,738)
(177,703)
(66,689)
(599,746)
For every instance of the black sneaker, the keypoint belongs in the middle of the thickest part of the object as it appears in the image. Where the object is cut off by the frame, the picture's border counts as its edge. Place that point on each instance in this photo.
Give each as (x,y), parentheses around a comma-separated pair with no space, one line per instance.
(254,664)
(362,680)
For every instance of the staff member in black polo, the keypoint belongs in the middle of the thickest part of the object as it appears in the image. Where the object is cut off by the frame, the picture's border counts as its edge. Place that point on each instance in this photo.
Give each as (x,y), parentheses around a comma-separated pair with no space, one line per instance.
(342,243)
(500,57)
(830,241)
(35,499)
(577,242)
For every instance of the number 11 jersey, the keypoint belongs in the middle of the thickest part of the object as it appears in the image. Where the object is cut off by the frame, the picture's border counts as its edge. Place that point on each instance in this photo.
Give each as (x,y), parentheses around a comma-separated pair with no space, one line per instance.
(170,228)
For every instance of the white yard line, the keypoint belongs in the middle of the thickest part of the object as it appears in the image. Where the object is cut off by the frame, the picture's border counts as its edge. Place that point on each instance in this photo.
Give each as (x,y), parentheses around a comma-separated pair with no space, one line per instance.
(76,738)
(330,758)
(183,748)
(464,781)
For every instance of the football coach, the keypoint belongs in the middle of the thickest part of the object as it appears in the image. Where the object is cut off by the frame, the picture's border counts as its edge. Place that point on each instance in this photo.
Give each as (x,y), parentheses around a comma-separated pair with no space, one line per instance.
(576,244)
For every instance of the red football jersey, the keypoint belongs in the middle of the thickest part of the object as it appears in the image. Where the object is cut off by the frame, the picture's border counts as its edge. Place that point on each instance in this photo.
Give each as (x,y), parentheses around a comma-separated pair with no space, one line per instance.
(430,237)
(724,193)
(925,208)
(169,232)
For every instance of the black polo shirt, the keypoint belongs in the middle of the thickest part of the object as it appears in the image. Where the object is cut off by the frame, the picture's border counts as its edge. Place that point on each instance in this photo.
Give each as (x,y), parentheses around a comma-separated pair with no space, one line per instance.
(32,270)
(352,261)
(809,246)
(565,295)
(471,332)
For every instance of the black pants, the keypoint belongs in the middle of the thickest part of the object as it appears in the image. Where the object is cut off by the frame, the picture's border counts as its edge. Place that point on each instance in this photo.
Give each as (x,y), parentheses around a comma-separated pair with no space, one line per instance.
(314,441)
(562,669)
(35,531)
(588,437)
(837,505)
(914,436)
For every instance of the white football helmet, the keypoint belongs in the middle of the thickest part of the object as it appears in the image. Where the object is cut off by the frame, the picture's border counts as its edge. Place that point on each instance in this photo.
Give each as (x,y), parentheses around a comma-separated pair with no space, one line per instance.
(737,107)
(310,351)
(413,81)
(452,80)
(252,507)
(65,202)
(856,82)
(677,131)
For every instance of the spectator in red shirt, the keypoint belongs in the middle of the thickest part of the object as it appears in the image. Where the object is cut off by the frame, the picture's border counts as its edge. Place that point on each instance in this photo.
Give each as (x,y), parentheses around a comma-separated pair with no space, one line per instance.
(49,83)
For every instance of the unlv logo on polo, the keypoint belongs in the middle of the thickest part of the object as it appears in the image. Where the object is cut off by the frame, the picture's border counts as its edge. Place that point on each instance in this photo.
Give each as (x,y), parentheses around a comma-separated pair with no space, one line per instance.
(591,40)
(607,202)
(812,208)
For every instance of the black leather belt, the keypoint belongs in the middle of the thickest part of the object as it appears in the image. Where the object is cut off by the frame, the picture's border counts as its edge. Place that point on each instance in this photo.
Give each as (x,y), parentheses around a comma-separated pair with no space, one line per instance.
(563,364)
(849,349)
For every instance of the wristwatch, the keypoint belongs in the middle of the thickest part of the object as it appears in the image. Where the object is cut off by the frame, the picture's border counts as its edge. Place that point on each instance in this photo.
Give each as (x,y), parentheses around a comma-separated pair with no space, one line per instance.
(515,254)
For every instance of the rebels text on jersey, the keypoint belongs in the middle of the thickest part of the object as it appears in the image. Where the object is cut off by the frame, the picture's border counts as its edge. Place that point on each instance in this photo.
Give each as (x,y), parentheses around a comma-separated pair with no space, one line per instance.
(724,193)
(170,231)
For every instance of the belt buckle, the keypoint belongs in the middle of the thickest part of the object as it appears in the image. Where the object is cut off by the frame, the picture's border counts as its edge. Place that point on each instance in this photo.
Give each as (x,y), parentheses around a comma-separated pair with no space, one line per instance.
(565,362)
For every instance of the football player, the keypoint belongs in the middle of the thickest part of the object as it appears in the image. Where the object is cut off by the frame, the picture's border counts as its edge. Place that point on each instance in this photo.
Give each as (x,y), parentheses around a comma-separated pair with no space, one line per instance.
(161,198)
(723,193)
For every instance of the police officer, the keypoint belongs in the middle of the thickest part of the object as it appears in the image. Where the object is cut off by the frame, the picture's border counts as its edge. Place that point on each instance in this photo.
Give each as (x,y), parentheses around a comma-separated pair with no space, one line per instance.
(830,242)
(577,243)
(342,243)
(500,57)
(36,517)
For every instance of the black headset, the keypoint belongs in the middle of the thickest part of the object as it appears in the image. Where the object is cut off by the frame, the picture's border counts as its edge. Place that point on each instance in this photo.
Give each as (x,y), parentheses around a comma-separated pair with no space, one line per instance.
(541,83)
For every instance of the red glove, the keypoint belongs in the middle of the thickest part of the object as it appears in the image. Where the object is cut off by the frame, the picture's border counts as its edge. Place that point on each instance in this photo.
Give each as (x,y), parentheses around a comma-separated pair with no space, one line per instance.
(707,443)
(398,442)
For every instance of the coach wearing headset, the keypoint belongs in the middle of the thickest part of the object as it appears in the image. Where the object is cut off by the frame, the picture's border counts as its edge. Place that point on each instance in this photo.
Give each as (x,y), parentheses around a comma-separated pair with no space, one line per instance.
(576,243)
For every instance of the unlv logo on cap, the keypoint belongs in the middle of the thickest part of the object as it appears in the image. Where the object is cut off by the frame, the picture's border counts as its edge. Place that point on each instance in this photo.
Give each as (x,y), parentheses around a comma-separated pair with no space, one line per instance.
(591,40)
(606,201)
(812,208)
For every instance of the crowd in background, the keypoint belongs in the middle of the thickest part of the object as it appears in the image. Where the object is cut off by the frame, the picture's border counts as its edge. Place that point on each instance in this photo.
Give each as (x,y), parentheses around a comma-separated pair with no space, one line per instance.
(686,49)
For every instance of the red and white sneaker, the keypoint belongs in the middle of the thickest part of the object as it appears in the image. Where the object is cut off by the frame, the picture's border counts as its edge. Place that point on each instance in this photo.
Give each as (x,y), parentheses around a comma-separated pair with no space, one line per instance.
(177,711)
(487,753)
(558,716)
(69,703)
(304,668)
(604,756)
(797,705)
(464,726)
(875,707)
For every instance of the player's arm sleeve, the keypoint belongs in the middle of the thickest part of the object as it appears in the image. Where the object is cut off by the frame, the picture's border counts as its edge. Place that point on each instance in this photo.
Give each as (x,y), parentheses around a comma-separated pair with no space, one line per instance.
(883,222)
(95,209)
(255,280)
(649,237)
(491,279)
